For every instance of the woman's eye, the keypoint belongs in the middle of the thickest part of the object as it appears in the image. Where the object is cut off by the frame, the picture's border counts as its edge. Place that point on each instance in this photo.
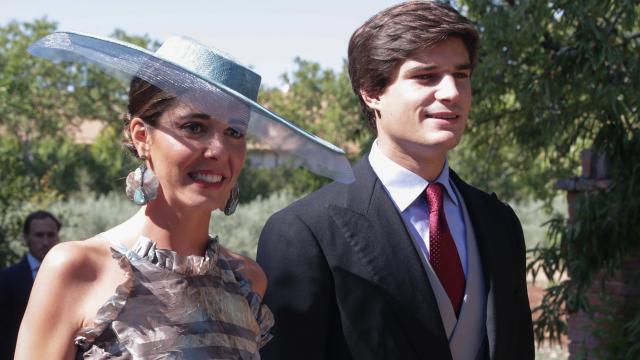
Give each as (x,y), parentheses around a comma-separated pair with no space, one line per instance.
(193,128)
(236,134)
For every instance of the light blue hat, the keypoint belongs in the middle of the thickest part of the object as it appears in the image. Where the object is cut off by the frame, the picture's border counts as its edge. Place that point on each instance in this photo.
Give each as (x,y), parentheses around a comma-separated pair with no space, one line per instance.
(206,76)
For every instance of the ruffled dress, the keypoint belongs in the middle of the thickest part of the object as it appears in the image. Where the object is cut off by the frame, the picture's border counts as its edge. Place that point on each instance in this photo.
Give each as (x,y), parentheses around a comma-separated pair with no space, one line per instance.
(177,307)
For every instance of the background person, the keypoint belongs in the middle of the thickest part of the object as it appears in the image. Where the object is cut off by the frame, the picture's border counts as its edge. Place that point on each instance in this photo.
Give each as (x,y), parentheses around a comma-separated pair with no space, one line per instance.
(40,232)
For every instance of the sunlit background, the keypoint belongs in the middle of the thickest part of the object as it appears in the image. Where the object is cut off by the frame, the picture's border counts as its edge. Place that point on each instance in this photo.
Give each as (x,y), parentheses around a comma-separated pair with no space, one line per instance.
(266,35)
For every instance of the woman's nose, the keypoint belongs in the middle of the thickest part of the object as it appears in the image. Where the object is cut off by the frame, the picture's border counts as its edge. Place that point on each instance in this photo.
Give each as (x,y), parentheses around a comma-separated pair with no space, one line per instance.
(215,147)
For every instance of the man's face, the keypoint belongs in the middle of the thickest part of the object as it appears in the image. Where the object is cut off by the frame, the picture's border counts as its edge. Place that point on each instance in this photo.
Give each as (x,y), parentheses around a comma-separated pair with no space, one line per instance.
(41,237)
(423,112)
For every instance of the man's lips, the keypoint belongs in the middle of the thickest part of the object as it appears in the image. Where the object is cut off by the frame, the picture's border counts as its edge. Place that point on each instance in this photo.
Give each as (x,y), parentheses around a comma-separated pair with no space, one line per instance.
(442,115)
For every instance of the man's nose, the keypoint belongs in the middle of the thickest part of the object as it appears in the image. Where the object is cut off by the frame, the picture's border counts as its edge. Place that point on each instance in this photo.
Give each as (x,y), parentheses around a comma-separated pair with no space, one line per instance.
(447,89)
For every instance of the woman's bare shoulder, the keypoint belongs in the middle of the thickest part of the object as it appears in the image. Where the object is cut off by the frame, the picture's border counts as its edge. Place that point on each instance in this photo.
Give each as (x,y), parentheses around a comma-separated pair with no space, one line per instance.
(74,259)
(58,301)
(249,269)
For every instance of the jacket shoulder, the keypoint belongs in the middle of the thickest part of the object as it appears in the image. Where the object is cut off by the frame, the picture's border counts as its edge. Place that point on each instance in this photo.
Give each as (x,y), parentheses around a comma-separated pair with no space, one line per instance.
(484,196)
(330,194)
(15,269)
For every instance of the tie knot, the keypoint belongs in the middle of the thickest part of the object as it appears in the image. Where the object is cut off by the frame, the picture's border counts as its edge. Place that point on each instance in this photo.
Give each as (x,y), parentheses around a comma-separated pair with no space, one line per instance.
(434,197)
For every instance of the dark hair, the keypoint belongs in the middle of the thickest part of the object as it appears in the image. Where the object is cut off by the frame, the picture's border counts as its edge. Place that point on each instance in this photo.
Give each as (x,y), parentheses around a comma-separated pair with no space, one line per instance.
(39,215)
(147,102)
(383,42)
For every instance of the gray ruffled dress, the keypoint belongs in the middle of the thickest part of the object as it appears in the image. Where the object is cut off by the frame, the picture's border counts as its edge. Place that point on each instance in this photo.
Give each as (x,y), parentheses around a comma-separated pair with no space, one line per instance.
(177,307)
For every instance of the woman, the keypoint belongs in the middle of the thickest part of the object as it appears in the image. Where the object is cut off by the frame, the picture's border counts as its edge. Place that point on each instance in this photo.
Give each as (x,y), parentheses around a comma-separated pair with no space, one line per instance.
(157,285)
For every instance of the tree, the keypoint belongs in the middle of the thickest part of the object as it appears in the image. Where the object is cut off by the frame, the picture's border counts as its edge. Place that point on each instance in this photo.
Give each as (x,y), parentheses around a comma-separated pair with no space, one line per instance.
(39,103)
(321,101)
(554,78)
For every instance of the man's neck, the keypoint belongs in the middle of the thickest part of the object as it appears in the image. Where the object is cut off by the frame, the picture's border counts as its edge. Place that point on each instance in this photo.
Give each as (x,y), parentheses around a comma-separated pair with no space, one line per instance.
(428,165)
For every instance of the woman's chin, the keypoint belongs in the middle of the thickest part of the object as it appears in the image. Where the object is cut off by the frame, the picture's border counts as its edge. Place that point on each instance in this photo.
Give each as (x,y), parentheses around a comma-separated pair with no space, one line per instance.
(198,203)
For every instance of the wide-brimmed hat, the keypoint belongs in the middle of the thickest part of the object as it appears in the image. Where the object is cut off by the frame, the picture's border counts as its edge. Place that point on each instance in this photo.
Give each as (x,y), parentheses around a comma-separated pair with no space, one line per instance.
(205,76)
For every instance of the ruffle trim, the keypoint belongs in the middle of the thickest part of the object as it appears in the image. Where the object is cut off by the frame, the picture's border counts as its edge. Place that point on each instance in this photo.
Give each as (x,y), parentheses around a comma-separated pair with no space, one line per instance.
(263,315)
(145,249)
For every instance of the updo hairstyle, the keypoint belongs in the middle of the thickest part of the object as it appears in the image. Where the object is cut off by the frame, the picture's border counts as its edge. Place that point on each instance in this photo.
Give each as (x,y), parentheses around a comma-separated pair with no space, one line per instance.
(147,102)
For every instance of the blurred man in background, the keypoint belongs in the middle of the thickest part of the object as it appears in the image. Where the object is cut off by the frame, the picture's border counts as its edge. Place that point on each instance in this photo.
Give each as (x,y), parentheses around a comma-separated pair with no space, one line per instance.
(40,232)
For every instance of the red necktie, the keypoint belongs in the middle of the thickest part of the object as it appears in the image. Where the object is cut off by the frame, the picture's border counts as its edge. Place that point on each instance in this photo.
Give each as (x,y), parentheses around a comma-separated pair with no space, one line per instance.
(443,255)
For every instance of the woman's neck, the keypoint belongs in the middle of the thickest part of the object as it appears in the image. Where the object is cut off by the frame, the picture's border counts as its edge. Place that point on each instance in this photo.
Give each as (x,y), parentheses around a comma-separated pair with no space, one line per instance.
(186,232)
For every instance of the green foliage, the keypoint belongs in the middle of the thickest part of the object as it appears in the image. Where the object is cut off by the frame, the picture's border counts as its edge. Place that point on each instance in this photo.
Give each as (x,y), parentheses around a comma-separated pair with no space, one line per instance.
(256,182)
(551,76)
(322,102)
(240,232)
(617,342)
(40,104)
(108,162)
(554,78)
(16,190)
(86,216)
(534,214)
(604,233)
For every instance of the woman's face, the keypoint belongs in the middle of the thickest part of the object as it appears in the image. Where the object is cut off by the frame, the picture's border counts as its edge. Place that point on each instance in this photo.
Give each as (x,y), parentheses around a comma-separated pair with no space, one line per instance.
(196,157)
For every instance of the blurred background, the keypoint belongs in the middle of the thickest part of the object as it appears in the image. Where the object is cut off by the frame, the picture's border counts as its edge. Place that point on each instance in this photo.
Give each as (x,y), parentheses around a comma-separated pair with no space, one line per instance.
(555,126)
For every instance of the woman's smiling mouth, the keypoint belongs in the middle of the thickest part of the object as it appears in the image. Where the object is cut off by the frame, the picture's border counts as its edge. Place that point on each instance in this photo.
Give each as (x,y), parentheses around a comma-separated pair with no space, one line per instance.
(206,179)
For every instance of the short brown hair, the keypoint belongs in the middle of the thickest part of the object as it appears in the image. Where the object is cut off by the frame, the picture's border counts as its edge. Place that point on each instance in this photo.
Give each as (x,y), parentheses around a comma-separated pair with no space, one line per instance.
(383,42)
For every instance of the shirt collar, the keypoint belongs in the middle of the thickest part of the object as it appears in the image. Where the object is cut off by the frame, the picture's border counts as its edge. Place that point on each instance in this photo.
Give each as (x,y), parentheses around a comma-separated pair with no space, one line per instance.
(33,262)
(403,185)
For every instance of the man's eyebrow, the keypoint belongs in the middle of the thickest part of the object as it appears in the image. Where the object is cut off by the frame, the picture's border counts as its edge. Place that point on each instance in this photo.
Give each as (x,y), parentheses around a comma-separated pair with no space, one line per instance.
(419,68)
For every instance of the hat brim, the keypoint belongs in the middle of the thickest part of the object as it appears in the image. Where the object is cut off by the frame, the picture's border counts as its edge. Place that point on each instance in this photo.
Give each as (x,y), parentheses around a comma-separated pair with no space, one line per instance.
(126,60)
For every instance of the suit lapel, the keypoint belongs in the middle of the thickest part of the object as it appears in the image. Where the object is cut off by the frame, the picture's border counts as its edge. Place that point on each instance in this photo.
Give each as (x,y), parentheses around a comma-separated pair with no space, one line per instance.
(374,229)
(492,238)
(26,278)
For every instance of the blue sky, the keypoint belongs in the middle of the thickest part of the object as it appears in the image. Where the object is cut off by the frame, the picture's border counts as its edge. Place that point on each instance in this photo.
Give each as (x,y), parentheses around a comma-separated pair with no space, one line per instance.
(266,35)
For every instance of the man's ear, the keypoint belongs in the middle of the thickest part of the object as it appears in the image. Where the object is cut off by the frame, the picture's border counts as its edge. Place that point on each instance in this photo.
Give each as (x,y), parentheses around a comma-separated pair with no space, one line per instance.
(140,136)
(373,102)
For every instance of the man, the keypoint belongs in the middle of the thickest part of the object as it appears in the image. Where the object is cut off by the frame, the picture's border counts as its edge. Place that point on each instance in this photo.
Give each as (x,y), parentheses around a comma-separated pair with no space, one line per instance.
(40,232)
(409,261)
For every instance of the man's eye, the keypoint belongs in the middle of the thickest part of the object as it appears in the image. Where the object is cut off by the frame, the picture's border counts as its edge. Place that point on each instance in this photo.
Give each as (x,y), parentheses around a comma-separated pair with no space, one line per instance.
(461,75)
(193,128)
(425,76)
(236,134)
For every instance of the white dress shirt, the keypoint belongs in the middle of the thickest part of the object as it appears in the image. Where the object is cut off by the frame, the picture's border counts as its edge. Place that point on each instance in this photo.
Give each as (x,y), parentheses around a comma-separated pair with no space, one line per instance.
(407,191)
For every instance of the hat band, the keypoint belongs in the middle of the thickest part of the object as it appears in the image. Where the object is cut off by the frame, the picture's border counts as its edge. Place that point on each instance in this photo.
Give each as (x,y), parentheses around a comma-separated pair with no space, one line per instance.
(210,66)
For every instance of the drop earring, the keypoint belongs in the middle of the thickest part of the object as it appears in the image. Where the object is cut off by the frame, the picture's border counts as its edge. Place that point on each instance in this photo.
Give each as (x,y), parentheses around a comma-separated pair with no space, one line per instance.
(232,203)
(142,184)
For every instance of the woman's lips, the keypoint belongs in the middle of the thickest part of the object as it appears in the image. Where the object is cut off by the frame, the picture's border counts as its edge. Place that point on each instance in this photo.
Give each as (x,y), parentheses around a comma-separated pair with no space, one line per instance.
(207,179)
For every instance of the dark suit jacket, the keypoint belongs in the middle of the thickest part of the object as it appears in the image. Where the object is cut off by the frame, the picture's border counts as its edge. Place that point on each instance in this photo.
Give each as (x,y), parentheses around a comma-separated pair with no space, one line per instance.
(15,286)
(346,280)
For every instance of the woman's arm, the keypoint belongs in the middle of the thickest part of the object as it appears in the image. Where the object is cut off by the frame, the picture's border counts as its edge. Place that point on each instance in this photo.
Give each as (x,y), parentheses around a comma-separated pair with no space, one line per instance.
(54,312)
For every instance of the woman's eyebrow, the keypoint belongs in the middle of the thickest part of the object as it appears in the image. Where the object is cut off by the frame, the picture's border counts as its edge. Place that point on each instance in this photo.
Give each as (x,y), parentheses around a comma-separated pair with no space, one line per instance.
(200,116)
